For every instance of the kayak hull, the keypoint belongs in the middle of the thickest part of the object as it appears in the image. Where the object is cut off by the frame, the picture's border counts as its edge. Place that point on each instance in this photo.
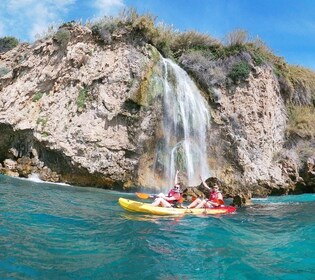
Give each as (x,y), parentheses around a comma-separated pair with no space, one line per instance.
(140,207)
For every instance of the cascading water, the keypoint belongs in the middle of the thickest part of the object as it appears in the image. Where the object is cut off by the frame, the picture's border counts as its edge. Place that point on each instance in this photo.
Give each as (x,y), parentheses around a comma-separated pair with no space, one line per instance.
(186,122)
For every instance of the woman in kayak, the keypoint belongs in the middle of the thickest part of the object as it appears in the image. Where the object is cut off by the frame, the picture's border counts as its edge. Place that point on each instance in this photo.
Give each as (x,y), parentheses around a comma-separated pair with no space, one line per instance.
(173,197)
(215,199)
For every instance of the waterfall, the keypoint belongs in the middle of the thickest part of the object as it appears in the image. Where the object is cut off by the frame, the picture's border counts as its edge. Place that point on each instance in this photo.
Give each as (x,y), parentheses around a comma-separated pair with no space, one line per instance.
(186,122)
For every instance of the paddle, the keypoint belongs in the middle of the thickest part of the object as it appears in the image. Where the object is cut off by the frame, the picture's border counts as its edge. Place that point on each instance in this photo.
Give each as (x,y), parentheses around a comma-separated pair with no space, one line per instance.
(144,195)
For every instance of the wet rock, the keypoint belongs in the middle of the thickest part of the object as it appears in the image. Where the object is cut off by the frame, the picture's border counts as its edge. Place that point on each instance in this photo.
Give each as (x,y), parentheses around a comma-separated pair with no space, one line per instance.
(10,164)
(242,199)
(46,174)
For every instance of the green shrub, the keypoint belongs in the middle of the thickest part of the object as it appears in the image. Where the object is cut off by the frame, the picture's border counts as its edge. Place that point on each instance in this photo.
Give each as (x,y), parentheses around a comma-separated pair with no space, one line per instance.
(8,43)
(240,71)
(104,28)
(193,40)
(82,98)
(37,96)
(258,58)
(62,37)
(42,121)
(145,26)
(164,40)
(259,51)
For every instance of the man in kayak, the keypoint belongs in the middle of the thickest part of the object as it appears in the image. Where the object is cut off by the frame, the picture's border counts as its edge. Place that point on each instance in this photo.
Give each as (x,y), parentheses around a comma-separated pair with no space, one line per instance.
(215,199)
(173,197)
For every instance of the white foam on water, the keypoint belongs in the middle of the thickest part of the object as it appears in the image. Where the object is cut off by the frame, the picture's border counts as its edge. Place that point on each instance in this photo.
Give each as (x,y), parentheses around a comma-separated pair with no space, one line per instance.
(34,177)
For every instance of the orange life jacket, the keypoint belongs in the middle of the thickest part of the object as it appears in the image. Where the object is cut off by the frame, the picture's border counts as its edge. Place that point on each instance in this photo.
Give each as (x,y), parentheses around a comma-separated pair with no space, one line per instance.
(176,195)
(214,197)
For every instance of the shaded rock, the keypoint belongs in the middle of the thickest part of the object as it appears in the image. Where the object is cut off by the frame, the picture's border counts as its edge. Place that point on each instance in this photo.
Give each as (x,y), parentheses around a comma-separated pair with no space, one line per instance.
(243,199)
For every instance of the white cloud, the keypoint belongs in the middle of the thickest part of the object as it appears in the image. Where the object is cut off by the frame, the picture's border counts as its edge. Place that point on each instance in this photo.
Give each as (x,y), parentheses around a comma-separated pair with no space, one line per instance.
(32,17)
(25,19)
(108,7)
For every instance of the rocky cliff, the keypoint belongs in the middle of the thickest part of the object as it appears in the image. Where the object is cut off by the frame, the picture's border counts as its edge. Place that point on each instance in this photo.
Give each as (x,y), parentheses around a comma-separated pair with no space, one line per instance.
(251,144)
(85,112)
(77,110)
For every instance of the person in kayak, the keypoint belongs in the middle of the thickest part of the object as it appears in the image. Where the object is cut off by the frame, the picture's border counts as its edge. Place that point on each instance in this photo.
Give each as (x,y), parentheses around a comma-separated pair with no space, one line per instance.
(173,198)
(215,199)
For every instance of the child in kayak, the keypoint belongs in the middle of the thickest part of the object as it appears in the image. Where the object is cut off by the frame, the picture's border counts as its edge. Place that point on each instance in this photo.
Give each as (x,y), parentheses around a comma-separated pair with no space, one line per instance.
(215,199)
(173,197)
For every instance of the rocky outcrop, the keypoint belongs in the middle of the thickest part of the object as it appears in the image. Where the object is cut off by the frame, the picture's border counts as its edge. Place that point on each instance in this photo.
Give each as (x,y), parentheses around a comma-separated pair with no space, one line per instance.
(251,120)
(81,111)
(79,106)
(250,150)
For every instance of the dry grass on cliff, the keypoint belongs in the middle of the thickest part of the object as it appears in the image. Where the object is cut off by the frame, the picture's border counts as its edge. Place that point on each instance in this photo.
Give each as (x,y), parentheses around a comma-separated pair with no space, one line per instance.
(303,80)
(169,41)
(302,121)
(297,83)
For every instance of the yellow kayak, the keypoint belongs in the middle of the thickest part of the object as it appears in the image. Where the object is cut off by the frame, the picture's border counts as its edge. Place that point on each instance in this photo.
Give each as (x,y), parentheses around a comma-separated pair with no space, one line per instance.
(140,207)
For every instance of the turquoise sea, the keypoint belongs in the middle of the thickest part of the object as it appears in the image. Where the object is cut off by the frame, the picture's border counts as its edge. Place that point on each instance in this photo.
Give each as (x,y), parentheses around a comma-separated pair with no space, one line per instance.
(50,231)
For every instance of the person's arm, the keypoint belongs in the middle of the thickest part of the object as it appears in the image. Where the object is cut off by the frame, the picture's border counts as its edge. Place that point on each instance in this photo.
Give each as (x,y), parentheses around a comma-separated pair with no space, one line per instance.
(219,201)
(204,183)
(220,196)
(173,197)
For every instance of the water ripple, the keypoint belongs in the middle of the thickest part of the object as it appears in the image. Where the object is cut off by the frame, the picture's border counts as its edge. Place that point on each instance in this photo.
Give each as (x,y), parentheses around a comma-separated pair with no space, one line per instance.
(61,232)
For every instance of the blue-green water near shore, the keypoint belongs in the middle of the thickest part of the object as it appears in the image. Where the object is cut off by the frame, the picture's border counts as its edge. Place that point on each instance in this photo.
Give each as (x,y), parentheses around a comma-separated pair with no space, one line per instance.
(62,232)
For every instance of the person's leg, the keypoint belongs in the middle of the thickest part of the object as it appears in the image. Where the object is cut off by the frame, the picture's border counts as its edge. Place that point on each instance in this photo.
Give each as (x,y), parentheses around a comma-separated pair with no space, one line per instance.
(194,203)
(156,201)
(161,201)
(208,205)
(201,204)
(165,203)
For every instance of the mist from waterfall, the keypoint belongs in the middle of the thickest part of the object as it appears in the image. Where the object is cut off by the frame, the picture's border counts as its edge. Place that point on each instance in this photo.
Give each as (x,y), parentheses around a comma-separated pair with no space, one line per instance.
(186,123)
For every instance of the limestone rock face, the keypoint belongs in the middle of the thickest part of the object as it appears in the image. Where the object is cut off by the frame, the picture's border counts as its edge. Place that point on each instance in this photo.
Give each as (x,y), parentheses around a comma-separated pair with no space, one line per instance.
(77,107)
(251,120)
(88,113)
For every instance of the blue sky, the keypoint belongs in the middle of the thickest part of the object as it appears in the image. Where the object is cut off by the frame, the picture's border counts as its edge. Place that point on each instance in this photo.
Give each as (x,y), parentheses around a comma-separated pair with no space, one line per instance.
(286,26)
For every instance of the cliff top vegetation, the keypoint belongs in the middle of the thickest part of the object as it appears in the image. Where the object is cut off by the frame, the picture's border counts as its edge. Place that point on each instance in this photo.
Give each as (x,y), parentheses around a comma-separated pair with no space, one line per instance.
(209,60)
(297,83)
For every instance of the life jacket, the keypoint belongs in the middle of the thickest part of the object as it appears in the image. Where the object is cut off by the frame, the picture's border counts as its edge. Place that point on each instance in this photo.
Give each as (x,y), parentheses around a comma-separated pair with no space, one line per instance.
(177,195)
(214,197)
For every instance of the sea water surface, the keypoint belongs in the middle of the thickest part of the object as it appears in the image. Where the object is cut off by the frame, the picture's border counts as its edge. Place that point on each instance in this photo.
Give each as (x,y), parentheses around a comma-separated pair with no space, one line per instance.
(62,232)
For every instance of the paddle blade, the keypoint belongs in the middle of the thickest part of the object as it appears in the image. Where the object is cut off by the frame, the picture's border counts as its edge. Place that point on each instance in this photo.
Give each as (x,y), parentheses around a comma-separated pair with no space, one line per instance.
(142,195)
